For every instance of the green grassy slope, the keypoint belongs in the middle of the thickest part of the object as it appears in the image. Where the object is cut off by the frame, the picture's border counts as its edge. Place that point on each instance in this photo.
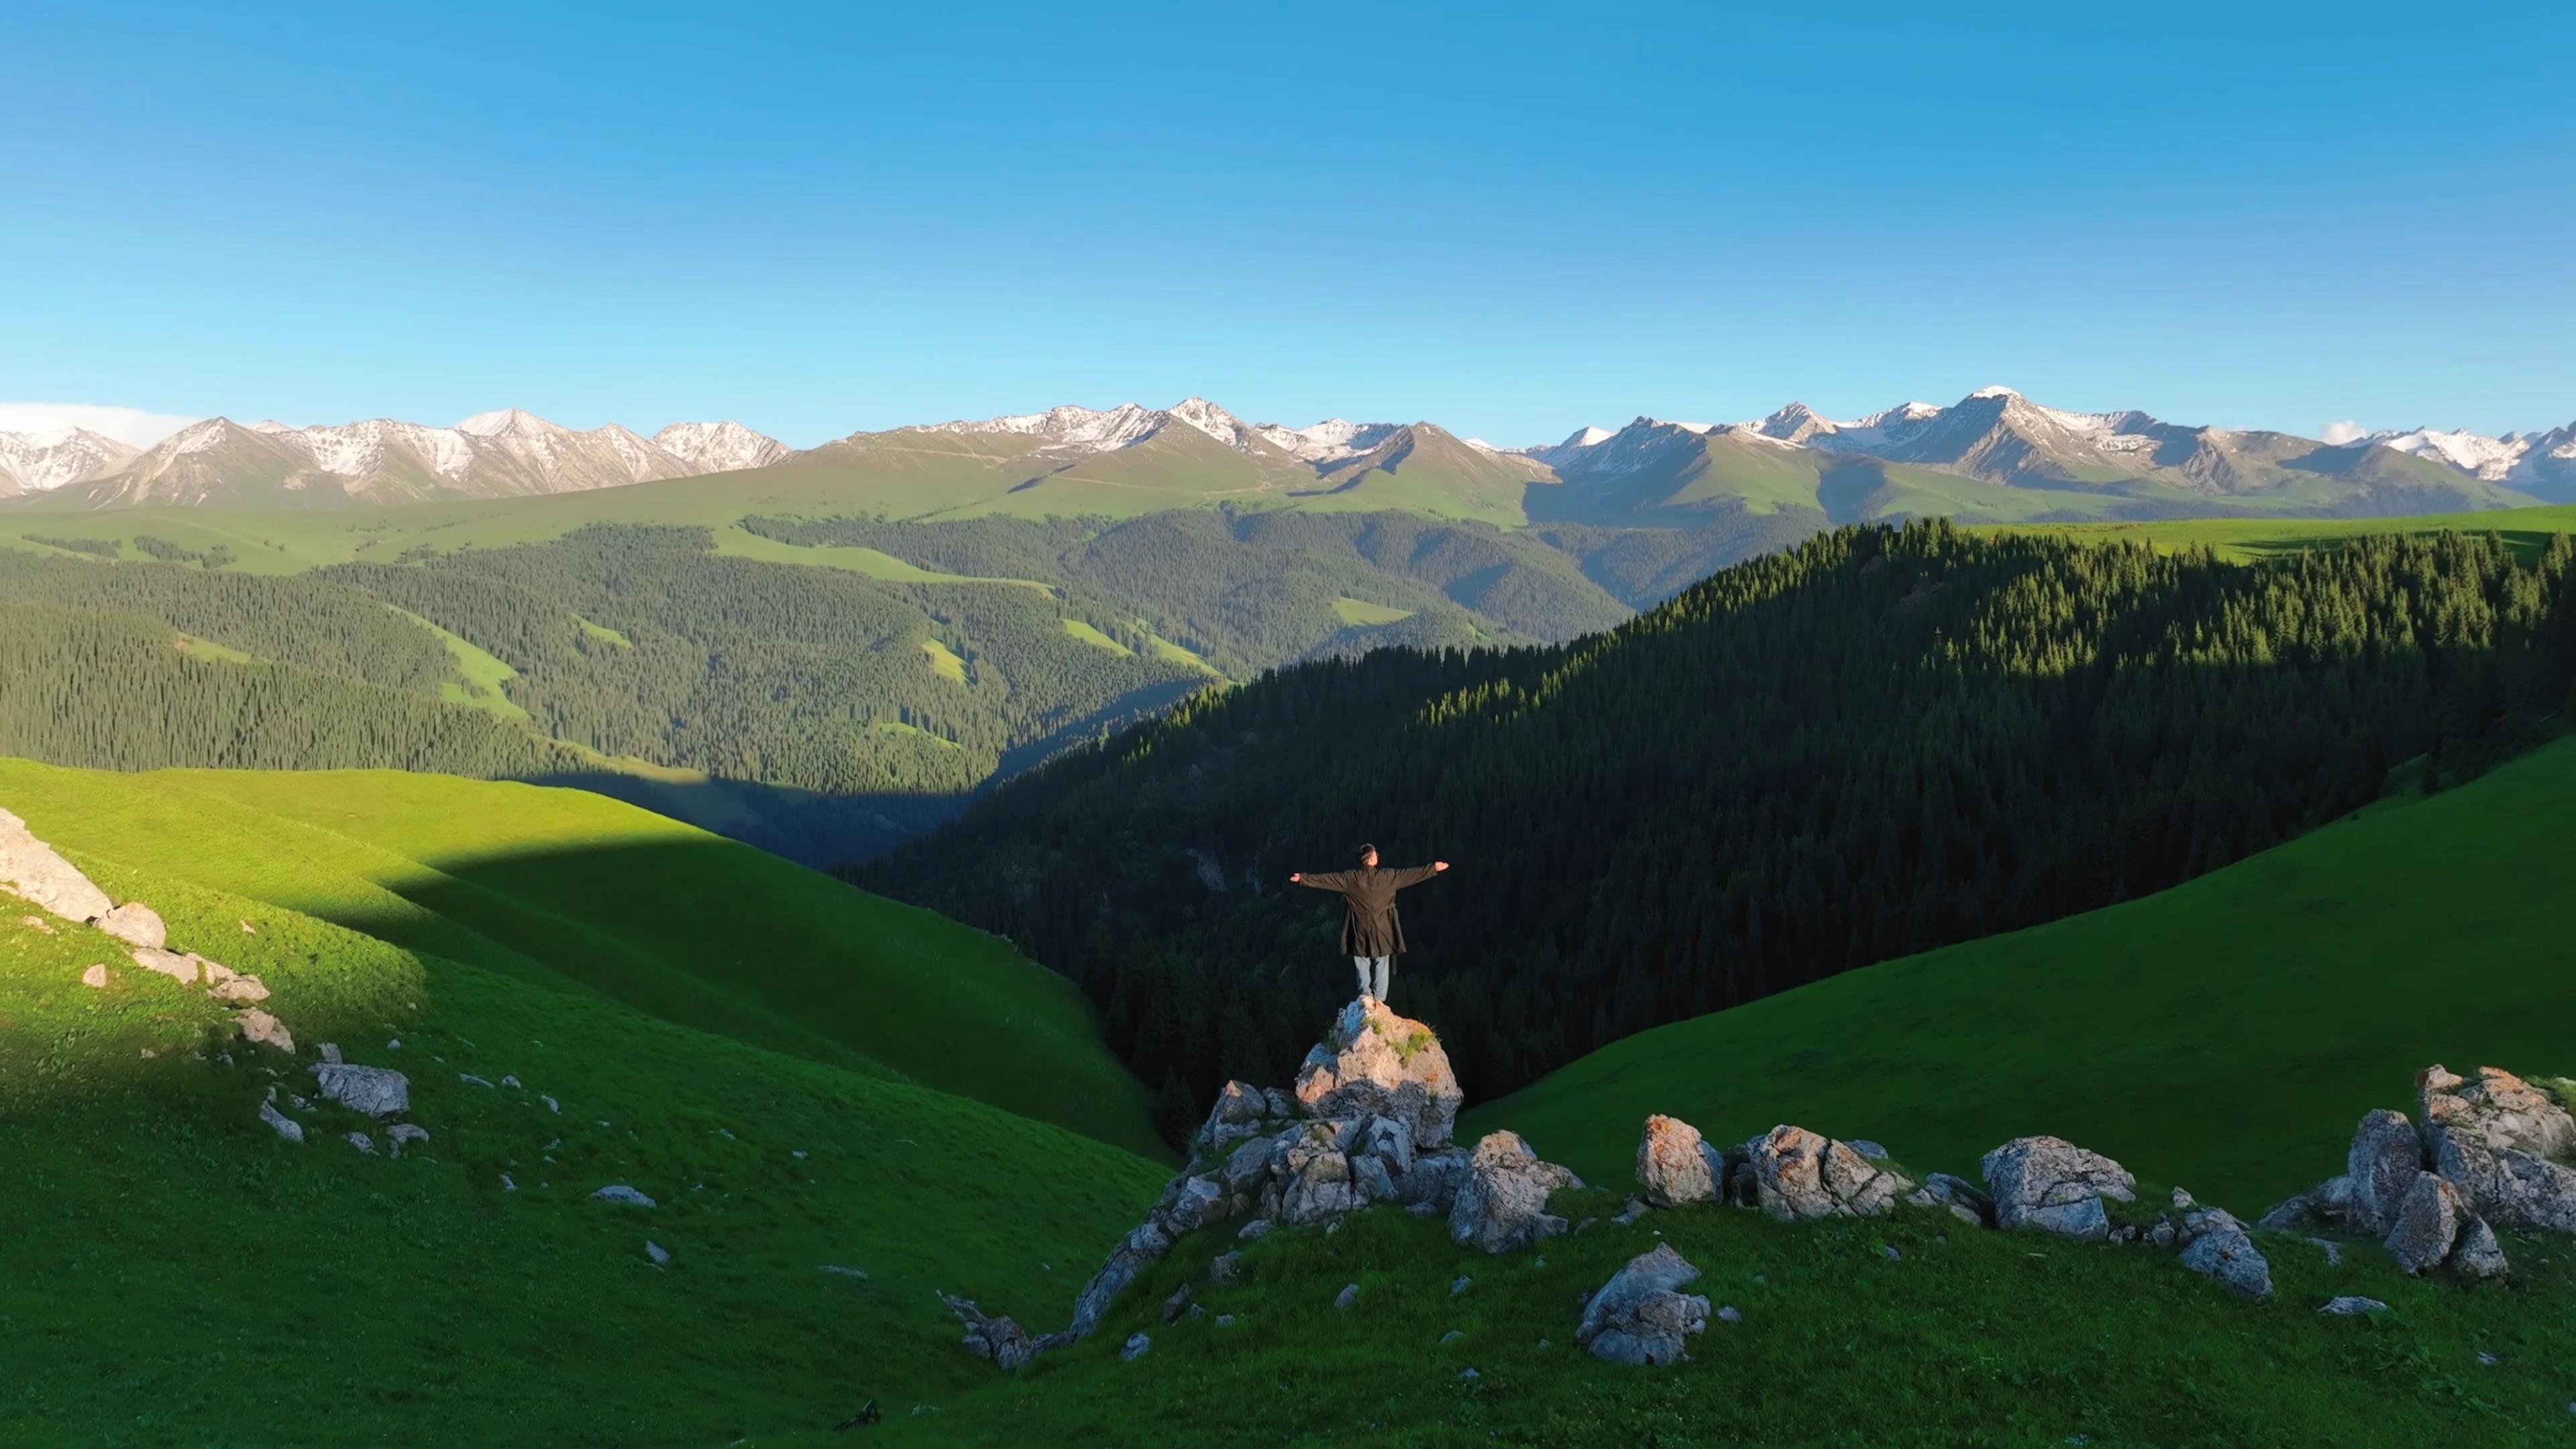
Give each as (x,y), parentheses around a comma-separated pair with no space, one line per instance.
(172,1273)
(562,885)
(2225,1034)
(1964,1338)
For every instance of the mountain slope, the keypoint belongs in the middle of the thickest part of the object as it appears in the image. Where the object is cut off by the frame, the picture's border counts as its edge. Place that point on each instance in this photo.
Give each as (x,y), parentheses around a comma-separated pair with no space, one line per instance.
(564,886)
(503,454)
(2305,945)
(40,462)
(295,1292)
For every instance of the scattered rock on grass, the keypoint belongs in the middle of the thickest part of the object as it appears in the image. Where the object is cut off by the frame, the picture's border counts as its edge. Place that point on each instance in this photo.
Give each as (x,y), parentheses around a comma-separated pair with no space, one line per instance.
(2346,1305)
(1640,1316)
(1503,1203)
(362,1142)
(259,1026)
(1177,1304)
(1675,1165)
(618,1192)
(1135,1347)
(402,1132)
(178,967)
(95,977)
(136,924)
(2053,1186)
(1348,1296)
(375,1091)
(656,1252)
(285,1126)
(30,868)
(1226,1268)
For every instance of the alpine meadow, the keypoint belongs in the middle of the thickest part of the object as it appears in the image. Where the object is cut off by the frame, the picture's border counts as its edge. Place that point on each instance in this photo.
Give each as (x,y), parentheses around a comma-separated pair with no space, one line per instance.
(653,792)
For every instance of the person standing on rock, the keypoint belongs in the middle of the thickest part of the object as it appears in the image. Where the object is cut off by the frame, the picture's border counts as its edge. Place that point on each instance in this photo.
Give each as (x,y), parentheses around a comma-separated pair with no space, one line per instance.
(1371,934)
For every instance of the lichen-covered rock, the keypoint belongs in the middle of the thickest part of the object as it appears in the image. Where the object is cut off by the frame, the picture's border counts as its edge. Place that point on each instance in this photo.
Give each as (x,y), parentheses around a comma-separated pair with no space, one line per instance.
(2495,1139)
(1190,1203)
(1313,1176)
(1239,1113)
(1370,1181)
(1373,1062)
(1432,1182)
(2428,1223)
(239,990)
(1675,1165)
(1801,1174)
(2050,1185)
(136,924)
(30,869)
(2475,1253)
(2380,1166)
(278,1122)
(1640,1316)
(1388,1139)
(376,1091)
(1502,1203)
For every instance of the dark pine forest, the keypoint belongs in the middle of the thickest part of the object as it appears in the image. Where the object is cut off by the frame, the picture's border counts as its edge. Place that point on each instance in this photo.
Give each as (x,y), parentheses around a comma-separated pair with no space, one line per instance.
(1876,743)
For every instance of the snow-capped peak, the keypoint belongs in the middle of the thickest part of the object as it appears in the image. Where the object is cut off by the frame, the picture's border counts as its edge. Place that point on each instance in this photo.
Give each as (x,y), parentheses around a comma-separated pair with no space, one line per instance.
(722,447)
(1091,429)
(2003,392)
(1327,442)
(2489,458)
(1587,437)
(508,423)
(1216,422)
(40,461)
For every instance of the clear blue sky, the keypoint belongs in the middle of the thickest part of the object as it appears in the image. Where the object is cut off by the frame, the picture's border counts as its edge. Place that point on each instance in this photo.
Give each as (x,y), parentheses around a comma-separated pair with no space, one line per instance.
(1508,219)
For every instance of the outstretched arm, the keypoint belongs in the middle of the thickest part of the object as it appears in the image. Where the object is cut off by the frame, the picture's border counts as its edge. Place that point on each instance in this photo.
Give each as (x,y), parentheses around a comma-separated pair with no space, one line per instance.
(1324,880)
(1416,874)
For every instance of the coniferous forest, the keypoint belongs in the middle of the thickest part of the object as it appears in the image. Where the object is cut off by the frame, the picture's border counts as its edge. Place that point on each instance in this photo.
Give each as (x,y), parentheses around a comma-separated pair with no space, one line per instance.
(1876,743)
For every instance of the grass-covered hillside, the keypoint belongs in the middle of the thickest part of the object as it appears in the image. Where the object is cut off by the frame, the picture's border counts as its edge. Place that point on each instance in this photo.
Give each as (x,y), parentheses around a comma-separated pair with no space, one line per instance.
(2222,1036)
(577,893)
(2225,1033)
(172,1272)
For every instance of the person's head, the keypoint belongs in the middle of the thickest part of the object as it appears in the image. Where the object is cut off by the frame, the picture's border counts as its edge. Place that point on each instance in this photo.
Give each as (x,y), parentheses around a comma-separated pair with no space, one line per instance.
(1368,857)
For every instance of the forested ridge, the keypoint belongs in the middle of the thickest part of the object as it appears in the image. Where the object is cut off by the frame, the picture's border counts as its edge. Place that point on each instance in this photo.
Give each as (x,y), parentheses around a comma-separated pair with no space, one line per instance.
(1876,743)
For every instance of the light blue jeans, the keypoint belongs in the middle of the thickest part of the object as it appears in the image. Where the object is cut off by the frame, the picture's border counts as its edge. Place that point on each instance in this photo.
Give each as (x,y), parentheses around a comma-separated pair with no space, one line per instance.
(1373,989)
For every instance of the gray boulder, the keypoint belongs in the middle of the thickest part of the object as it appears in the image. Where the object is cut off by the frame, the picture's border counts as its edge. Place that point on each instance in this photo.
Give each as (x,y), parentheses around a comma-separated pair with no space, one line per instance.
(402,1132)
(1389,1140)
(2496,1138)
(2381,1165)
(1432,1182)
(136,924)
(1502,1203)
(1640,1316)
(31,869)
(622,1194)
(2428,1223)
(1226,1268)
(2214,1243)
(1675,1165)
(1135,1347)
(376,1091)
(1373,1062)
(1313,1176)
(2475,1253)
(2348,1305)
(1190,1203)
(1239,1112)
(1798,1174)
(2051,1185)
(1370,1181)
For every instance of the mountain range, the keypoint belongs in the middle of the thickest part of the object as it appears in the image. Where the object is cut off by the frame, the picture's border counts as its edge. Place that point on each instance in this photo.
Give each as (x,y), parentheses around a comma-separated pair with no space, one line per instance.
(1994,455)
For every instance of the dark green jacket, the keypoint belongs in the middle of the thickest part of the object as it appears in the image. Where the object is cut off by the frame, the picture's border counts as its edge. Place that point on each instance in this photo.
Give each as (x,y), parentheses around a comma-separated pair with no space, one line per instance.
(1370,928)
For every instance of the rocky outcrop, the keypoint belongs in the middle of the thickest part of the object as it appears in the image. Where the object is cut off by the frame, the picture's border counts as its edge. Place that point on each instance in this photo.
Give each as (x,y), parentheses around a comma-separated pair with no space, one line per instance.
(1374,1063)
(1143,1247)
(996,1337)
(2050,1185)
(2426,1224)
(136,924)
(1641,1315)
(1792,1173)
(2498,1139)
(31,869)
(1675,1165)
(1502,1204)
(1963,1199)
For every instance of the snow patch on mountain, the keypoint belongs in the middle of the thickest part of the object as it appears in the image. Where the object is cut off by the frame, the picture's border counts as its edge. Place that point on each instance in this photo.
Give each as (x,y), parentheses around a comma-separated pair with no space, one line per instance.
(2473,453)
(41,460)
(1333,440)
(724,447)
